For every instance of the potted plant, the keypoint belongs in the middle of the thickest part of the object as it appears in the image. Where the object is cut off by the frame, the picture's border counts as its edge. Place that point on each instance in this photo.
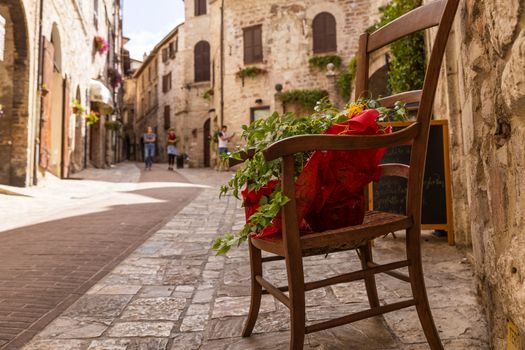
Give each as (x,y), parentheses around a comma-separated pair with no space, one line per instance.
(115,78)
(44,89)
(324,201)
(92,118)
(77,107)
(101,45)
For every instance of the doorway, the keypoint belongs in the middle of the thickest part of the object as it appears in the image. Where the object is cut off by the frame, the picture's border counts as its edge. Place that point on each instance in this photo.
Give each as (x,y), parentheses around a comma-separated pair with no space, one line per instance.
(207,142)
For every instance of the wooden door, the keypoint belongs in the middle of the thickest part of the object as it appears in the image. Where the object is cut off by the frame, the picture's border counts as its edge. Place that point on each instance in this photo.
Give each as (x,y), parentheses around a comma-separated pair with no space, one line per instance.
(46,87)
(207,138)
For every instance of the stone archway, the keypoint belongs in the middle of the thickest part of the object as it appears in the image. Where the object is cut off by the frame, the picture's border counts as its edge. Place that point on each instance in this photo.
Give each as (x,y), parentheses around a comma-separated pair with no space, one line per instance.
(14,95)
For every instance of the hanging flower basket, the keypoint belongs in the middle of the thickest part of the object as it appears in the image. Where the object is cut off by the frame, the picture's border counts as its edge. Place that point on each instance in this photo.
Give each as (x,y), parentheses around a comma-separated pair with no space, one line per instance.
(77,107)
(44,90)
(115,78)
(111,125)
(92,118)
(101,45)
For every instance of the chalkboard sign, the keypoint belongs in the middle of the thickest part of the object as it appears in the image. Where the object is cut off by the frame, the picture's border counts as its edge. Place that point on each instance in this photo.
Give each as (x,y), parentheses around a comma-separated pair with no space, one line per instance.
(389,194)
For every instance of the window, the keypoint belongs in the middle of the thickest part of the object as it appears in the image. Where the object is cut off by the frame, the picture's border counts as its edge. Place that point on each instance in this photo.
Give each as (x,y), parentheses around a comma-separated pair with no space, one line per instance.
(325,33)
(253,44)
(165,54)
(257,113)
(172,49)
(200,7)
(167,117)
(202,61)
(166,83)
(150,76)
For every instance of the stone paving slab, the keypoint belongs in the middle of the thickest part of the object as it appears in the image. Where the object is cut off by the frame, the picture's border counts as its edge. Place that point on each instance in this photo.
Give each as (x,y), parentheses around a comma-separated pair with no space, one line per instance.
(173,293)
(46,265)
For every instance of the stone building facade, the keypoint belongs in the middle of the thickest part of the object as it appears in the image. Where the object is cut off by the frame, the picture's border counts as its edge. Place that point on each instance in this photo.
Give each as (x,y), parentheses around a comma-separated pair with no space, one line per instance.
(39,133)
(207,90)
(482,94)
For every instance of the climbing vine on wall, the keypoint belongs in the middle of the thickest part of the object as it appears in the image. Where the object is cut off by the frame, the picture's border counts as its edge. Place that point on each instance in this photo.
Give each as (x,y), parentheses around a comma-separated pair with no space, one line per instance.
(320,62)
(407,67)
(346,79)
(305,98)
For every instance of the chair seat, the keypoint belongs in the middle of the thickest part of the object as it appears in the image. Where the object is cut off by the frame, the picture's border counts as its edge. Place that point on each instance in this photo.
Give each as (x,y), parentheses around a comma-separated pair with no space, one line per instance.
(375,224)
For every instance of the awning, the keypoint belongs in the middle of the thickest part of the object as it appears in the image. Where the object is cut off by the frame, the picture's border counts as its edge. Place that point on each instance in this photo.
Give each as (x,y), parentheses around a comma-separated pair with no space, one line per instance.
(100,94)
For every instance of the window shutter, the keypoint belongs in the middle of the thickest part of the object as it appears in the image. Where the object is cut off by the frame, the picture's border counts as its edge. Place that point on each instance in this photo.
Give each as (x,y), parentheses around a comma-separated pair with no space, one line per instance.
(164,54)
(202,61)
(253,44)
(200,7)
(167,117)
(324,33)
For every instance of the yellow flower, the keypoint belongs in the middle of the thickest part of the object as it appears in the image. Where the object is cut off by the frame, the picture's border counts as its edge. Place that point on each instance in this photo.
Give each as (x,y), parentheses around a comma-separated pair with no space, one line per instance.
(356,108)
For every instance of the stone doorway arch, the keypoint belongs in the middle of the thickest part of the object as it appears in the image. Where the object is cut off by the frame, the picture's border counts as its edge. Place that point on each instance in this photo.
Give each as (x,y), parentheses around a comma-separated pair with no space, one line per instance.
(14,95)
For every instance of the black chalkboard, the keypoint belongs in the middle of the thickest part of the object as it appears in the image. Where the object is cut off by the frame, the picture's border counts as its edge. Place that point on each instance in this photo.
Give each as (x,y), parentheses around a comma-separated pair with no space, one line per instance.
(390,193)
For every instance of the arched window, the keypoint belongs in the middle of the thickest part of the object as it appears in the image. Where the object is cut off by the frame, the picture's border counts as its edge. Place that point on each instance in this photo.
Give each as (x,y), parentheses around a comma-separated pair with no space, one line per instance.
(202,61)
(325,33)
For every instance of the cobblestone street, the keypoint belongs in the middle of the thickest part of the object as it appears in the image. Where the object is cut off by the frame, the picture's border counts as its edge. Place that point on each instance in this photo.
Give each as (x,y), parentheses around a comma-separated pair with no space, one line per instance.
(59,239)
(173,293)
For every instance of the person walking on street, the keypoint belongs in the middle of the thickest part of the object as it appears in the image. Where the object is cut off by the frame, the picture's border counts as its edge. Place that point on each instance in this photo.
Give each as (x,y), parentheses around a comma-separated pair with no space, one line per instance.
(149,147)
(224,138)
(172,148)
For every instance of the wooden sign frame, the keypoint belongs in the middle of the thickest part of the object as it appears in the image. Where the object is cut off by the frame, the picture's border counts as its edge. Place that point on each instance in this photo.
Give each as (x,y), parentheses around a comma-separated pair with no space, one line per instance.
(449,226)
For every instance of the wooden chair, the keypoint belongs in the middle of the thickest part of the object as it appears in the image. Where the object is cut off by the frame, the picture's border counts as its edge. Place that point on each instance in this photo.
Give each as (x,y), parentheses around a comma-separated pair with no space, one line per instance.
(292,247)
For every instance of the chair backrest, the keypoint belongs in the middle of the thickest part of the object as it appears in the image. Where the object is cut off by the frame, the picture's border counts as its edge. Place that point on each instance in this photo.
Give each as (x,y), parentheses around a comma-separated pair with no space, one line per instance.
(439,13)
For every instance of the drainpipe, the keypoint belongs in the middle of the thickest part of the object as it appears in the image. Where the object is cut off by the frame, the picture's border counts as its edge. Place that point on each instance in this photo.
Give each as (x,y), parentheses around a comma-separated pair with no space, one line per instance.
(38,129)
(222,64)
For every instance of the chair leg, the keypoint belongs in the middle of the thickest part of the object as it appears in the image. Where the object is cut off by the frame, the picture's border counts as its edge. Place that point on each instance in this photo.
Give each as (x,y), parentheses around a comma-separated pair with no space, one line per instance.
(365,254)
(417,283)
(294,267)
(256,290)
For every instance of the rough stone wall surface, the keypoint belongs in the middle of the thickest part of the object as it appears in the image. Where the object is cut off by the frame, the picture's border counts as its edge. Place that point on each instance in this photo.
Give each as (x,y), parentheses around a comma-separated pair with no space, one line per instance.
(483,95)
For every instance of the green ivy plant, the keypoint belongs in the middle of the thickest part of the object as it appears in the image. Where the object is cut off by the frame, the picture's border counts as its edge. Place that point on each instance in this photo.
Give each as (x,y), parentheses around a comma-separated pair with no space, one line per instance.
(320,62)
(111,125)
(305,98)
(257,172)
(249,72)
(346,79)
(207,94)
(407,67)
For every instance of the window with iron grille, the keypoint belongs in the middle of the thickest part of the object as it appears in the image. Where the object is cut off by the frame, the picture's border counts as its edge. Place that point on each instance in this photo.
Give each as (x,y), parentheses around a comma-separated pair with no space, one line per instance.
(202,61)
(200,7)
(167,117)
(166,83)
(253,52)
(325,33)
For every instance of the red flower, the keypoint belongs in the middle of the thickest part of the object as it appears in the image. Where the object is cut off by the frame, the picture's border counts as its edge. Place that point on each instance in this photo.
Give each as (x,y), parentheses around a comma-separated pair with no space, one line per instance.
(330,189)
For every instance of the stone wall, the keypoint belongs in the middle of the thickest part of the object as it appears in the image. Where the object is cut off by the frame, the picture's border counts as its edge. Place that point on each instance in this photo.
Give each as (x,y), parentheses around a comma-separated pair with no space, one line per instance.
(482,93)
(287,47)
(71,27)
